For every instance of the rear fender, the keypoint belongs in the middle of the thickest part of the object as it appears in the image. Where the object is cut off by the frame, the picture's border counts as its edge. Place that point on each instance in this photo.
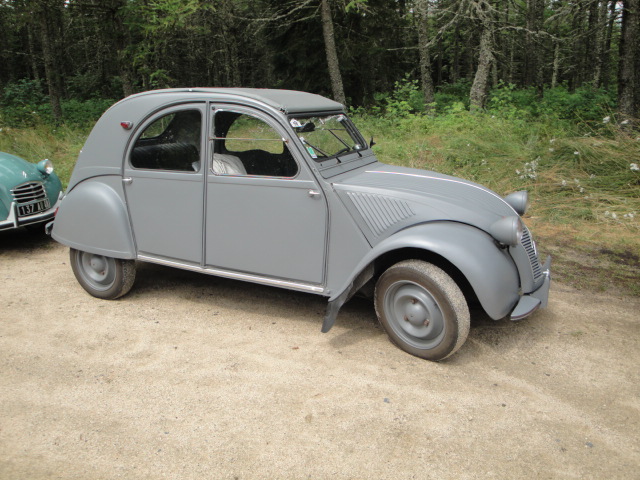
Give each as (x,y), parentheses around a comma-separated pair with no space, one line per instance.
(489,270)
(93,218)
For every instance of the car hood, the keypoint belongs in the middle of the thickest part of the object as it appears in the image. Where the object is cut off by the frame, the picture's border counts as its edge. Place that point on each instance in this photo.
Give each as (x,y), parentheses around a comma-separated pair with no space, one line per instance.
(386,198)
(15,171)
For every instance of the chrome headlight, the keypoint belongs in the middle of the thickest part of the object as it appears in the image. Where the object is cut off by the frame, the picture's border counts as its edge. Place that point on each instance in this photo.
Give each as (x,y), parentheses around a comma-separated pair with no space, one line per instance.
(519,201)
(507,230)
(46,166)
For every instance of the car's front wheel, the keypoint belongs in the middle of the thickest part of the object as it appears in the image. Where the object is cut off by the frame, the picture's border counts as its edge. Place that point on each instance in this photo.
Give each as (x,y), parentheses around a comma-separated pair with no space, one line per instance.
(103,277)
(422,309)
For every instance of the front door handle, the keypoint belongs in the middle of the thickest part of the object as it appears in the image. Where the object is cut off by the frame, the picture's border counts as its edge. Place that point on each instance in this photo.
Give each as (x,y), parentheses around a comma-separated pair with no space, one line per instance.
(314,194)
(127,180)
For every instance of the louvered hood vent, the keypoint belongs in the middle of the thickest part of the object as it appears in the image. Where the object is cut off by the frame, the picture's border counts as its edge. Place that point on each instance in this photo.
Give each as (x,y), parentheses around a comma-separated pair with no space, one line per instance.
(380,212)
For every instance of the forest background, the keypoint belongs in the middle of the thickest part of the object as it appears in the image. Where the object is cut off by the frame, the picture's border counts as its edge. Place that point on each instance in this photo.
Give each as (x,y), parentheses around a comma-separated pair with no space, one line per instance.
(515,94)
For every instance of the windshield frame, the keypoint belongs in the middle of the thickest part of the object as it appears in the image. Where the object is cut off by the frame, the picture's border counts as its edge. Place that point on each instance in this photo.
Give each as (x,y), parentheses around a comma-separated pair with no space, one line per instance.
(353,136)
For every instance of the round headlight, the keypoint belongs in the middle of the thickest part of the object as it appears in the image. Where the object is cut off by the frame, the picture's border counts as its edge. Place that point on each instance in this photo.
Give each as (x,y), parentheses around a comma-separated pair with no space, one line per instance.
(519,201)
(46,166)
(507,230)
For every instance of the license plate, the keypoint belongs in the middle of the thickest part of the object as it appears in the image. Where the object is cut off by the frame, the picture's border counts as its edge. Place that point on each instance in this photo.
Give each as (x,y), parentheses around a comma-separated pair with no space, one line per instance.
(31,208)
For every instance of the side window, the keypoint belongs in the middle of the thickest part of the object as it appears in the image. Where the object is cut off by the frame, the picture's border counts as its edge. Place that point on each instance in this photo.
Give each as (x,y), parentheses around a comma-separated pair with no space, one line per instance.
(172,142)
(245,145)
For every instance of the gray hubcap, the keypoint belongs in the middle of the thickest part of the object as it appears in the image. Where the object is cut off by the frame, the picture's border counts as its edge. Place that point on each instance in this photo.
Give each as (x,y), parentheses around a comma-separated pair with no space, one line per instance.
(414,314)
(97,270)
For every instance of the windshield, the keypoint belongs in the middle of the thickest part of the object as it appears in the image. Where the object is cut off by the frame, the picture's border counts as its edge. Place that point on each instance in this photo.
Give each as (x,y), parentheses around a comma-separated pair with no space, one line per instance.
(327,137)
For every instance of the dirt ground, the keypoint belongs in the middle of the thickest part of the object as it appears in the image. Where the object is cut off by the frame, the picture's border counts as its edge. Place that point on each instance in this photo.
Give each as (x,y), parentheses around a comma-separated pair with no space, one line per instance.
(194,377)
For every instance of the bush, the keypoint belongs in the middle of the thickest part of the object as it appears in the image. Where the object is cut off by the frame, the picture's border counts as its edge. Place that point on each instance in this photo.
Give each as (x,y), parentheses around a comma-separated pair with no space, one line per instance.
(585,105)
(76,112)
(451,95)
(23,104)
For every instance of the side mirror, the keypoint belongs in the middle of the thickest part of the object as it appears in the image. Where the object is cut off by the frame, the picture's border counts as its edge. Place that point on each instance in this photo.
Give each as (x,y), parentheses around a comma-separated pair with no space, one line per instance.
(371,142)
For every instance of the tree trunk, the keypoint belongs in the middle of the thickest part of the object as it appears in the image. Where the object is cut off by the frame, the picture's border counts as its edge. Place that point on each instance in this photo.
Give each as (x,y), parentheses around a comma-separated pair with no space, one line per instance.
(607,44)
(627,75)
(556,65)
(591,53)
(122,34)
(480,87)
(32,53)
(533,67)
(423,49)
(51,72)
(577,48)
(600,44)
(332,53)
(455,68)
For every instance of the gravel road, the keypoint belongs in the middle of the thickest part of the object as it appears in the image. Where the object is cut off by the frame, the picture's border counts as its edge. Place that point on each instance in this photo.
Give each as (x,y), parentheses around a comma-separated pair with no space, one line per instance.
(194,377)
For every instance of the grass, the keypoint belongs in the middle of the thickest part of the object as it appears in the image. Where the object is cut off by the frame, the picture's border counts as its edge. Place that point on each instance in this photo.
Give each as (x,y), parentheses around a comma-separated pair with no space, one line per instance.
(61,145)
(584,190)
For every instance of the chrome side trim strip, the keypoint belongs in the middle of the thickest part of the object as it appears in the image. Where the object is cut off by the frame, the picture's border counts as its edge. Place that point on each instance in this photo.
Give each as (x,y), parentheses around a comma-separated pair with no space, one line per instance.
(304,287)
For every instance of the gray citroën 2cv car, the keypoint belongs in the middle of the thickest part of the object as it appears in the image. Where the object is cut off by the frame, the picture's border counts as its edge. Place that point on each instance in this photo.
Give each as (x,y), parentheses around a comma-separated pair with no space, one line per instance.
(280,188)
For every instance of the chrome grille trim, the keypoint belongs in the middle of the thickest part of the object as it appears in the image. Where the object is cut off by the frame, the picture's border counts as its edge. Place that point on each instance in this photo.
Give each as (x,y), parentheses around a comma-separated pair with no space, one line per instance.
(527,243)
(29,192)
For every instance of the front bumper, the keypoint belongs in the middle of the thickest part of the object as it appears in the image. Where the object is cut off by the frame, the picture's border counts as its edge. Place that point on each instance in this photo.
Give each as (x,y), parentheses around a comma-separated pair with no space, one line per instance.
(539,298)
(14,221)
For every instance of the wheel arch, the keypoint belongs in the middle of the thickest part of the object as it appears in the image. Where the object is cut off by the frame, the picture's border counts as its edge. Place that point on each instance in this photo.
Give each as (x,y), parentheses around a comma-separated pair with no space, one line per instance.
(390,258)
(482,270)
(93,218)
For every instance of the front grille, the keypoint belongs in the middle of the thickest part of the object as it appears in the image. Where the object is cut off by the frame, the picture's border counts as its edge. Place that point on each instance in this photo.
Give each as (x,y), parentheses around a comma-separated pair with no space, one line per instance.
(527,243)
(28,193)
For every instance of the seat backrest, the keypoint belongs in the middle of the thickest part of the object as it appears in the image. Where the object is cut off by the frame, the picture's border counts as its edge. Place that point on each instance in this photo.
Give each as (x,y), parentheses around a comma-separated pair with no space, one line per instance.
(224,164)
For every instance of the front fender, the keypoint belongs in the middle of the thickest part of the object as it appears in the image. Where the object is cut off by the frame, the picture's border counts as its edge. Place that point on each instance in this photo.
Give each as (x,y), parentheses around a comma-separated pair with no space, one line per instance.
(489,270)
(93,218)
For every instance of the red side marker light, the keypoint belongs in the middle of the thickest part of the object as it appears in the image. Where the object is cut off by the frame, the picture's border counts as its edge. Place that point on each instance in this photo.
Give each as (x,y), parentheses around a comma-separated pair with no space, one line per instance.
(126,125)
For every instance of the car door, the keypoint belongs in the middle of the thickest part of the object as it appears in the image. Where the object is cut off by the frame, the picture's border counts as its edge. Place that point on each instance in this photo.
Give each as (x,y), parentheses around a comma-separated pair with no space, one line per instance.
(164,184)
(265,213)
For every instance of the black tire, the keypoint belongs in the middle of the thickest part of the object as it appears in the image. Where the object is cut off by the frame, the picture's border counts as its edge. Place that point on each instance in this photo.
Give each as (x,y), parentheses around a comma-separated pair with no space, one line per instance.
(103,277)
(422,309)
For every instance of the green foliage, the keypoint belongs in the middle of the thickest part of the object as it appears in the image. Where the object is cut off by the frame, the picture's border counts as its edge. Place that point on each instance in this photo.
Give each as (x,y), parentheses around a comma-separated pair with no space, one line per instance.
(355,5)
(157,24)
(83,113)
(450,96)
(24,105)
(405,99)
(585,105)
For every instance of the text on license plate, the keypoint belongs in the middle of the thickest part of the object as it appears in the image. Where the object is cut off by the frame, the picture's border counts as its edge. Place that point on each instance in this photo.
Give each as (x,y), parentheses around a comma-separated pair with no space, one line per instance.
(31,208)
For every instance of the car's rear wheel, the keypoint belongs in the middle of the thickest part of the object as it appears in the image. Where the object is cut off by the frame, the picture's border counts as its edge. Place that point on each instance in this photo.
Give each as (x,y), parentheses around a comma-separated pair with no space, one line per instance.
(103,277)
(422,309)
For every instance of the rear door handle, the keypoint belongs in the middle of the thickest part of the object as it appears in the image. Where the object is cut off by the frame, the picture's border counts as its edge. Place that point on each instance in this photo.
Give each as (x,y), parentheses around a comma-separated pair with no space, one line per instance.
(314,193)
(127,180)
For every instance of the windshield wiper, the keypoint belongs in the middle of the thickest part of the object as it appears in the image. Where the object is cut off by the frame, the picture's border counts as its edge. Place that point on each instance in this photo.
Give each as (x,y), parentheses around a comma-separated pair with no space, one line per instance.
(315,148)
(330,130)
